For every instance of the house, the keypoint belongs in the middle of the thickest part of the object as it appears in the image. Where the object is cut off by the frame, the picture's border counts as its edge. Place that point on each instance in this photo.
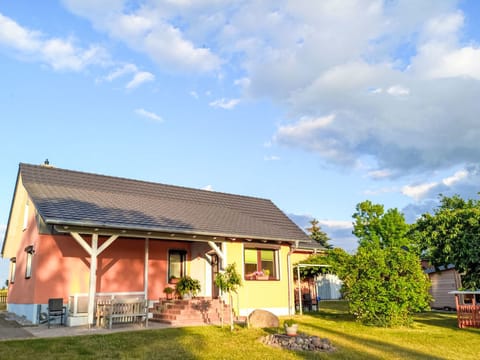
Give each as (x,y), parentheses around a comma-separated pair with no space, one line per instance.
(444,280)
(76,236)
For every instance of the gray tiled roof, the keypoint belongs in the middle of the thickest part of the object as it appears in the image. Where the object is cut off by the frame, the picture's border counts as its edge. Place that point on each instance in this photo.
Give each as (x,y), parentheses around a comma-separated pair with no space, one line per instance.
(71,197)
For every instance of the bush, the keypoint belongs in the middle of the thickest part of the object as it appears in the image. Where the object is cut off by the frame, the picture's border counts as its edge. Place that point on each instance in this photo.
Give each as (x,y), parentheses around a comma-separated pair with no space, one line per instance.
(385,286)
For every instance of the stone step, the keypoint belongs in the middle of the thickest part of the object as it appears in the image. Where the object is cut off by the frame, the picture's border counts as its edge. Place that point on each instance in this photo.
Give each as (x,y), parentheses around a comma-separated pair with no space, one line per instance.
(195,311)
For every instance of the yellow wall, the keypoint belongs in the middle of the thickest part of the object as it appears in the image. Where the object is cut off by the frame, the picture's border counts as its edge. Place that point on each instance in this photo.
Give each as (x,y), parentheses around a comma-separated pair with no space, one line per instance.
(299,256)
(270,295)
(15,228)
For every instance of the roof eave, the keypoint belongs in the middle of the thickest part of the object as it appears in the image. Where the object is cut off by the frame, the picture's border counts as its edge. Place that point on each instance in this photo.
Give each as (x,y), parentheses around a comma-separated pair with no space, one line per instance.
(67,224)
(10,212)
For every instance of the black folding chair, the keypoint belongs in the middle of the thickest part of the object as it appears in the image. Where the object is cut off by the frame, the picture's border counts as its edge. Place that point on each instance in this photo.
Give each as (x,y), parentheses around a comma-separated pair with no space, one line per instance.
(307,301)
(56,309)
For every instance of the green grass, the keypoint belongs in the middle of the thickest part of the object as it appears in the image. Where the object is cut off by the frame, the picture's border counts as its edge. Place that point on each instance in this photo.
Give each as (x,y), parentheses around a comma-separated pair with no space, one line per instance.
(433,336)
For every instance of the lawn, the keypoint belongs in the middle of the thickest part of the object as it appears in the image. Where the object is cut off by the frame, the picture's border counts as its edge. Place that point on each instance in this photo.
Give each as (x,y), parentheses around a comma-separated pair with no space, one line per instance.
(433,336)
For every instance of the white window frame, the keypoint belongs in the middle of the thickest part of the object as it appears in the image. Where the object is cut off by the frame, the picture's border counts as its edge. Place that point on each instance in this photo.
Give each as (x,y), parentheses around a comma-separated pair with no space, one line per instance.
(25,216)
(276,259)
(13,269)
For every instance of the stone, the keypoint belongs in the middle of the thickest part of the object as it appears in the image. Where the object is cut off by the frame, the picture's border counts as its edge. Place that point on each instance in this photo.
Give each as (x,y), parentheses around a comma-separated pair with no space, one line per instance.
(300,343)
(263,319)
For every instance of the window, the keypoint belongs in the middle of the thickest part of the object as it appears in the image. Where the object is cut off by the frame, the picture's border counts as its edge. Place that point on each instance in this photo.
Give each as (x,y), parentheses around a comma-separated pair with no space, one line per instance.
(13,268)
(25,216)
(260,264)
(28,268)
(176,264)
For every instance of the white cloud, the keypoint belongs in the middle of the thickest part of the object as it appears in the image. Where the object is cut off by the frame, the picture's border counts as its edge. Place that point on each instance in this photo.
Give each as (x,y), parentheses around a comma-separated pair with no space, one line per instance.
(121,71)
(208,188)
(400,82)
(60,54)
(398,90)
(339,231)
(305,126)
(417,192)
(337,224)
(243,82)
(226,104)
(149,115)
(194,94)
(145,28)
(455,178)
(444,25)
(379,174)
(19,38)
(271,158)
(140,78)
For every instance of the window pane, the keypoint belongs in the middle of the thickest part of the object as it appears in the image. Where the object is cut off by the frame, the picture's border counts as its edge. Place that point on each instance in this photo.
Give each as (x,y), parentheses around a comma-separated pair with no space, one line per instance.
(13,264)
(268,262)
(250,256)
(28,270)
(176,264)
(267,255)
(250,269)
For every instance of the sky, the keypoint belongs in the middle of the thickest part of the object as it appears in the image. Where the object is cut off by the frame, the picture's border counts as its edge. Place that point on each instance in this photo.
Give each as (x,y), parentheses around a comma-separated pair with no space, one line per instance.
(316,105)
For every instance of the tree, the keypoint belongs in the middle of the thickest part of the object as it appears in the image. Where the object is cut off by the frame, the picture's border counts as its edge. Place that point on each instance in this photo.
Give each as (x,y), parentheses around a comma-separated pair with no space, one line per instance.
(318,235)
(228,282)
(452,236)
(372,225)
(383,281)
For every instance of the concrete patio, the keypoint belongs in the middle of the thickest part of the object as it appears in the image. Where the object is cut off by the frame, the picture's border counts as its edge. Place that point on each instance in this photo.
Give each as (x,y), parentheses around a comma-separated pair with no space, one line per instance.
(12,327)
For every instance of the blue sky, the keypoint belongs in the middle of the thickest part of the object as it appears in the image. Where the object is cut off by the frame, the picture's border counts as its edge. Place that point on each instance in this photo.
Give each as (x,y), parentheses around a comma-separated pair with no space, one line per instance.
(305,103)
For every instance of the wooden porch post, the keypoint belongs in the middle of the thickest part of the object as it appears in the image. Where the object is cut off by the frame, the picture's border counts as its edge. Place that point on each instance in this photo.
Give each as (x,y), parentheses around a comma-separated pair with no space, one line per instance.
(93,251)
(145,277)
(219,252)
(93,278)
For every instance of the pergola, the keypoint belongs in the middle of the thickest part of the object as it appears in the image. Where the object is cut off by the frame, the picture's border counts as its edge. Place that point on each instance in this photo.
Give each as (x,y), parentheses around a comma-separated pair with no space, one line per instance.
(298,267)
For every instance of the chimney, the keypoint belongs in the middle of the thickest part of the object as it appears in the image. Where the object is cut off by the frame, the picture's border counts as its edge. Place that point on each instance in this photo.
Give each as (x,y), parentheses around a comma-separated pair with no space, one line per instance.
(46,163)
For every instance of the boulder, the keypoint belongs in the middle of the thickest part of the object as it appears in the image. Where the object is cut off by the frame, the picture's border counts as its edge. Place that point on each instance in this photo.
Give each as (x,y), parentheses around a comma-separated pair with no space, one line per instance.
(263,319)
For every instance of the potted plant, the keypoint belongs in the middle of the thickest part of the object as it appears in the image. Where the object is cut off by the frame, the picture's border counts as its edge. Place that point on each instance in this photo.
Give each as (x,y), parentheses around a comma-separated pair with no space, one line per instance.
(291,327)
(188,287)
(262,275)
(168,292)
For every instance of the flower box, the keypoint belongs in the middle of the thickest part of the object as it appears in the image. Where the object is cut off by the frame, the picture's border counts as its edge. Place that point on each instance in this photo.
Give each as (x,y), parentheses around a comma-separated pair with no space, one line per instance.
(261,277)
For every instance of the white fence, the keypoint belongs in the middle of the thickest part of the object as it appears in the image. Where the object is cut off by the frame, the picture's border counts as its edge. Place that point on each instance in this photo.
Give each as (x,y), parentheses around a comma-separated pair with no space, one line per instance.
(328,287)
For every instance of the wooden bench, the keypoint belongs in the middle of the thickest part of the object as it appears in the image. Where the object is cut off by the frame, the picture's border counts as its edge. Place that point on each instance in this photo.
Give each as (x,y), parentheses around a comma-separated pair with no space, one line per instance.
(468,311)
(121,311)
(468,316)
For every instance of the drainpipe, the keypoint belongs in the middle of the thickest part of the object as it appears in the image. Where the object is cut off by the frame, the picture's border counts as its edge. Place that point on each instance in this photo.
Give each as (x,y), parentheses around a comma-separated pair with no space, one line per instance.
(290,279)
(219,252)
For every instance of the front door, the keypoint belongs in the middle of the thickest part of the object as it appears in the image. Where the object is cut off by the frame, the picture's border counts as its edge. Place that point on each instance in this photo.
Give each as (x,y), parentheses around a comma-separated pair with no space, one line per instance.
(215,271)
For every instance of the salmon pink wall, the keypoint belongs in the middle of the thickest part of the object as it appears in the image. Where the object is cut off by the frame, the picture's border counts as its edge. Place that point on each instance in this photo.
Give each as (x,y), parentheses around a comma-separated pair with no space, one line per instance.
(61,267)
(121,266)
(22,290)
(157,265)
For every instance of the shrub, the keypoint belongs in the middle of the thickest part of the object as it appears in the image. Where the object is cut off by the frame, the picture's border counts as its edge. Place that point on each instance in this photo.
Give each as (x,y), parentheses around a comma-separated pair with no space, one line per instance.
(188,285)
(385,286)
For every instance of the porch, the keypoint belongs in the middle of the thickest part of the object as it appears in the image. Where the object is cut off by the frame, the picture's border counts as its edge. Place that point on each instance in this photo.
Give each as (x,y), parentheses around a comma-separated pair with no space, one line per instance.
(174,312)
